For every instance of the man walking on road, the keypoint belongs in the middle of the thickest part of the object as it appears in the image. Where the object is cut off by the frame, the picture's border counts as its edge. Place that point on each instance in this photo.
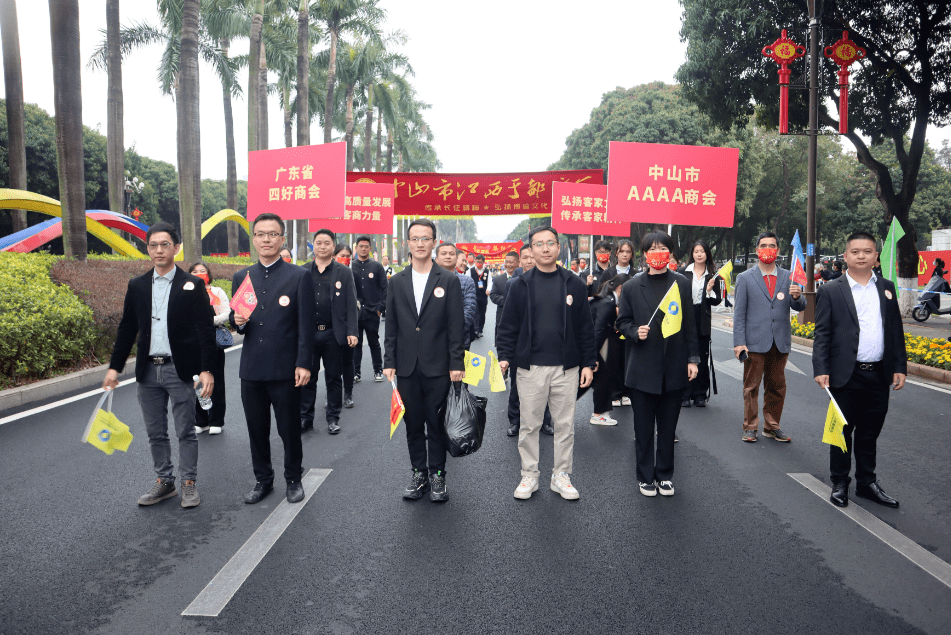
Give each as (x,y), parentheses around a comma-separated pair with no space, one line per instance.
(169,311)
(276,357)
(448,258)
(335,322)
(761,331)
(548,336)
(497,288)
(371,281)
(480,276)
(423,347)
(859,350)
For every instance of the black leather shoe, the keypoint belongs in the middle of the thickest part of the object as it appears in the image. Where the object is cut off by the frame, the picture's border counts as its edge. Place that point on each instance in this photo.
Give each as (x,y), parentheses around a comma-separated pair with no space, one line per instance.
(685,403)
(700,402)
(840,495)
(348,401)
(548,429)
(513,430)
(357,377)
(260,491)
(306,426)
(873,492)
(295,492)
(333,427)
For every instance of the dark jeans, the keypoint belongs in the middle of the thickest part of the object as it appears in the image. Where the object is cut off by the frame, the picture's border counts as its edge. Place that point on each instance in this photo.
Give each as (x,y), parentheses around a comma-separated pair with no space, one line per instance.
(482,303)
(425,435)
(216,415)
(258,397)
(864,402)
(160,386)
(326,349)
(371,325)
(663,411)
(700,386)
(515,410)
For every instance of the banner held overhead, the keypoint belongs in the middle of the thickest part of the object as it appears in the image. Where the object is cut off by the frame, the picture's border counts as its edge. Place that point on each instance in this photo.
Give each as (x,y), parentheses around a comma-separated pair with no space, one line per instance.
(579,208)
(298,183)
(368,210)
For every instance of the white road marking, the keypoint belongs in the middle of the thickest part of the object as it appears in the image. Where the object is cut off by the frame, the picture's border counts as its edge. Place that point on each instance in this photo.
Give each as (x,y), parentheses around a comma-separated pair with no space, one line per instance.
(793,367)
(217,593)
(69,400)
(923,558)
(730,367)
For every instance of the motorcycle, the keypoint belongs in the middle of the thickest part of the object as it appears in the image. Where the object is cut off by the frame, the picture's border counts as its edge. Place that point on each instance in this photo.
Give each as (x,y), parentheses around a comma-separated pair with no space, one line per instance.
(929,302)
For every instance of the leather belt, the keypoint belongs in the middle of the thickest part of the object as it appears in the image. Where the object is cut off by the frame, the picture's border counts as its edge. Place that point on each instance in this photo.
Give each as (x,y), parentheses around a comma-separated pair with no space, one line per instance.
(324,327)
(158,361)
(868,365)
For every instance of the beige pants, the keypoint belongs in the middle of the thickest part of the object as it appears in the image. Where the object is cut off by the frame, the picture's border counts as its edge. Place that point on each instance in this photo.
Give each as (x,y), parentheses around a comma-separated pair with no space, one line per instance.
(558,389)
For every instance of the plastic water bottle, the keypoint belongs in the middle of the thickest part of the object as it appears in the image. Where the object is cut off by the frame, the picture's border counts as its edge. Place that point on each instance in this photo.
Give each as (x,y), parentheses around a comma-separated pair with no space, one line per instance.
(204,402)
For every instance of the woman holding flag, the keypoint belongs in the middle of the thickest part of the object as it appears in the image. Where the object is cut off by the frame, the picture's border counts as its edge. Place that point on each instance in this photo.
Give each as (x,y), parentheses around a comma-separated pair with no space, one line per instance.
(662,358)
(705,292)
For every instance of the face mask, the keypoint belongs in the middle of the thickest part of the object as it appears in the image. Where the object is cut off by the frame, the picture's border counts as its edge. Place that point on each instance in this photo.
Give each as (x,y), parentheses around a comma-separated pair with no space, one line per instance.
(344,260)
(672,266)
(767,255)
(657,259)
(604,258)
(470,260)
(574,268)
(286,258)
(203,276)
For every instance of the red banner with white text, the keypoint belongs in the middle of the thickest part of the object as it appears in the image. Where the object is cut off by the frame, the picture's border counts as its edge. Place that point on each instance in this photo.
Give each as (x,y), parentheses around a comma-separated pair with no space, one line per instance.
(297,183)
(493,252)
(368,210)
(578,208)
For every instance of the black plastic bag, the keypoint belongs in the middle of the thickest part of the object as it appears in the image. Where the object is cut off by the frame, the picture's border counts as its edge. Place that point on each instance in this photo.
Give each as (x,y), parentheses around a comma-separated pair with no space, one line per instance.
(463,417)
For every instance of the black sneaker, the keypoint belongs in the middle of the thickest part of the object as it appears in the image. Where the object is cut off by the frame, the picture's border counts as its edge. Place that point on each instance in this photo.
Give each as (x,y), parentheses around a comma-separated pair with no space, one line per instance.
(306,426)
(348,401)
(548,429)
(333,426)
(159,492)
(356,378)
(378,376)
(685,403)
(513,430)
(418,486)
(437,482)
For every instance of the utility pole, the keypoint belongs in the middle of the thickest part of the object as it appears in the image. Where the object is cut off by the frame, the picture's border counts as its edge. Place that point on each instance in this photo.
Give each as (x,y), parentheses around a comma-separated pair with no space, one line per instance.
(815,32)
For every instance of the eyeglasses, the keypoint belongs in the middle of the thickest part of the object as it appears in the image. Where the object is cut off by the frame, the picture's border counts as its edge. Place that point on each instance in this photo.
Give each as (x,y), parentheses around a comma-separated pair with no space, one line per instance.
(271,235)
(420,240)
(542,245)
(160,246)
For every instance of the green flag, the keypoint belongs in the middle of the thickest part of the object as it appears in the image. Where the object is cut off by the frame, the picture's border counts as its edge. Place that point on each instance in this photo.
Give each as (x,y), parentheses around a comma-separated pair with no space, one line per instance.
(890,252)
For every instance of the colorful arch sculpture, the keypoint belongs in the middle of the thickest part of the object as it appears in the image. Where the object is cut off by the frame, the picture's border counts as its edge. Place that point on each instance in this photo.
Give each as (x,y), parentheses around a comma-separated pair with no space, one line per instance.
(220,217)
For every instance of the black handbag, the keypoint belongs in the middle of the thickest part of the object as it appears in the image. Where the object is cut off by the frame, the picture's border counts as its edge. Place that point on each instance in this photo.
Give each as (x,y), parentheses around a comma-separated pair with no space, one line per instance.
(223,337)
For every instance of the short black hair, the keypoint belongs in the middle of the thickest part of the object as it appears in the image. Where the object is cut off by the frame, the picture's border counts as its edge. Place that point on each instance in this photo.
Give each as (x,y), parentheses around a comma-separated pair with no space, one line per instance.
(342,247)
(608,286)
(603,244)
(512,253)
(574,260)
(657,237)
(268,216)
(524,247)
(538,230)
(167,228)
(361,239)
(766,234)
(861,236)
(441,245)
(837,265)
(425,222)
(326,232)
(480,257)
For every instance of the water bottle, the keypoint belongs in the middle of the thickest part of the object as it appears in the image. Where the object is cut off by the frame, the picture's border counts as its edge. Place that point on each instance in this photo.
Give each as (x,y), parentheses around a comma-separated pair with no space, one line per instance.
(204,402)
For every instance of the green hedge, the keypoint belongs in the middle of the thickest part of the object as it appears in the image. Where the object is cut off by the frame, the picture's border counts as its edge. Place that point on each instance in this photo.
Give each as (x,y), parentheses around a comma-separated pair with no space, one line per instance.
(42,325)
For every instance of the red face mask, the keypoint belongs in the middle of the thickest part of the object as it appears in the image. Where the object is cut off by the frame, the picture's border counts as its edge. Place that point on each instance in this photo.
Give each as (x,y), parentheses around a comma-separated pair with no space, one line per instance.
(766,255)
(672,266)
(344,260)
(657,259)
(286,258)
(604,258)
(574,267)
(203,276)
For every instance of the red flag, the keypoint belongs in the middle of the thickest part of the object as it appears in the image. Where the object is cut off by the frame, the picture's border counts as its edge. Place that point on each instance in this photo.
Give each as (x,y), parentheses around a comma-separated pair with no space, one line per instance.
(244,300)
(396,410)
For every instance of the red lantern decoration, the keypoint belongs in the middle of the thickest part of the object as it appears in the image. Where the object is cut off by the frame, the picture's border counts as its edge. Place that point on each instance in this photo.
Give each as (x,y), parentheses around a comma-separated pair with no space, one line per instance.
(784,51)
(843,53)
(136,213)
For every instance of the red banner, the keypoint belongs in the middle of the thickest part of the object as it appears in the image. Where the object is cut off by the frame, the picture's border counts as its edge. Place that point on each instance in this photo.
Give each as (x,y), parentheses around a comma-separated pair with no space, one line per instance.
(296,183)
(579,208)
(437,195)
(671,184)
(494,252)
(926,264)
(369,210)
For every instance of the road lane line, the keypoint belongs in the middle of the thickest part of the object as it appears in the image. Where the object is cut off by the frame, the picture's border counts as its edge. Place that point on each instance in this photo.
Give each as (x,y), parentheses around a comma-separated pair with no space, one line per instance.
(216,595)
(69,400)
(926,560)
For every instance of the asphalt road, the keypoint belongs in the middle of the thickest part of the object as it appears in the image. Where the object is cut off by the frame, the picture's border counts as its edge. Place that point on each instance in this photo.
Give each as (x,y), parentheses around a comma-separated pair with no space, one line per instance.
(741,548)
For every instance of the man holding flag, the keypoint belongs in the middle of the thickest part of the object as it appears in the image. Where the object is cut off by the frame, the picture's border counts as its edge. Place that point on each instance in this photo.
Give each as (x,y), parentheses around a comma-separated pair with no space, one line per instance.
(859,350)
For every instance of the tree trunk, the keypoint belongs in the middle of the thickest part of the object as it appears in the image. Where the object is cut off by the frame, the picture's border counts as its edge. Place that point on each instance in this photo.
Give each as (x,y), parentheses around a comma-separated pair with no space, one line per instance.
(263,140)
(115,145)
(331,75)
(232,180)
(303,103)
(379,139)
(368,131)
(68,99)
(389,151)
(254,69)
(190,175)
(349,128)
(288,118)
(16,127)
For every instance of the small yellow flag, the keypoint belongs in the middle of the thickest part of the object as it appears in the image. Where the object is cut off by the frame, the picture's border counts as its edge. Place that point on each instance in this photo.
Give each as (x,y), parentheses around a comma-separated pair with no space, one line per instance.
(835,422)
(496,380)
(475,369)
(673,313)
(108,433)
(726,272)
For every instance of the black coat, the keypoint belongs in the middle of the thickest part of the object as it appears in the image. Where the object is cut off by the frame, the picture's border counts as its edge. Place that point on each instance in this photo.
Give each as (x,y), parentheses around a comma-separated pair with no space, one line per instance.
(514,334)
(656,365)
(279,336)
(604,314)
(191,331)
(836,344)
(343,305)
(371,283)
(706,312)
(432,338)
(497,295)
(481,297)
(596,272)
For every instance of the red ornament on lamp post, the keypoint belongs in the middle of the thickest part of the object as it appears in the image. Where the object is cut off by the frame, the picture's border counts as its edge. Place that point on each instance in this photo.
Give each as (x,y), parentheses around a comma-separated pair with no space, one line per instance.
(843,53)
(784,51)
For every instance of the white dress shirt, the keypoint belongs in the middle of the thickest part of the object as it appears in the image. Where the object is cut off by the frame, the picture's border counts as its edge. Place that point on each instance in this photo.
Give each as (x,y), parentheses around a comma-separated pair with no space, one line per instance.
(868,308)
(419,288)
(698,285)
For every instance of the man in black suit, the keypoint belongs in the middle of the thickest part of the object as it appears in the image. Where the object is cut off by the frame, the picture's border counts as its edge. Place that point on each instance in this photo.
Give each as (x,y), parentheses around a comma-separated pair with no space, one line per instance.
(277,356)
(480,275)
(335,322)
(169,311)
(423,347)
(859,350)
(371,281)
(497,288)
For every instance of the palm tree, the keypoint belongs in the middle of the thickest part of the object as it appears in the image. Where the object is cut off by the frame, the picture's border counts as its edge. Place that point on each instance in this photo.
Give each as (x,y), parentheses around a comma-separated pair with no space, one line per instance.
(68,99)
(115,144)
(378,65)
(303,98)
(254,70)
(13,81)
(189,163)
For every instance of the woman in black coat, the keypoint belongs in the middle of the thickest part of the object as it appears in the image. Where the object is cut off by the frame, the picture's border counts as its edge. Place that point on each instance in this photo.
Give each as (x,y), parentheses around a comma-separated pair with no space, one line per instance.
(705,288)
(610,371)
(657,368)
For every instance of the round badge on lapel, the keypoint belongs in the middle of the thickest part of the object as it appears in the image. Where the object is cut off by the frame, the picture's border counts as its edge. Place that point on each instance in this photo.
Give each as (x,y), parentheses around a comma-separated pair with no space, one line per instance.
(189,286)
(338,284)
(370,275)
(570,299)
(888,294)
(439,292)
(284,300)
(780,296)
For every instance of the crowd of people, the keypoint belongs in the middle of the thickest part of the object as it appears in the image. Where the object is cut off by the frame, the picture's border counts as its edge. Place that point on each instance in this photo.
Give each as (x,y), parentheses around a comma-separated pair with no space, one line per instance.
(633,335)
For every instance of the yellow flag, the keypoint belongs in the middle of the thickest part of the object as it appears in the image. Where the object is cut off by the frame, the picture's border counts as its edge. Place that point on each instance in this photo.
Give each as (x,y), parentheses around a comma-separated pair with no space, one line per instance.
(673,311)
(726,272)
(475,369)
(108,433)
(835,422)
(496,381)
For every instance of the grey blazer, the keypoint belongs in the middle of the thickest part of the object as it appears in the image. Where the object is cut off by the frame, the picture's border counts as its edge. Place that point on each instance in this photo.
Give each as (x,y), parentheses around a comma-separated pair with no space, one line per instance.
(760,320)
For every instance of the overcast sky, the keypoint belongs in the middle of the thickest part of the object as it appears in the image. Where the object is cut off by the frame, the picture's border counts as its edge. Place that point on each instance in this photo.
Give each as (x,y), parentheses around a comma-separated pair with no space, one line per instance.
(508,80)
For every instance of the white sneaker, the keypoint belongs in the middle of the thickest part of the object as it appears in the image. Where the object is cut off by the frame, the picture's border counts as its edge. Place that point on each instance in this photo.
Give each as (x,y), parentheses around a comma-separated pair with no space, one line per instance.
(602,420)
(625,401)
(666,488)
(647,489)
(525,489)
(214,430)
(561,483)
(199,429)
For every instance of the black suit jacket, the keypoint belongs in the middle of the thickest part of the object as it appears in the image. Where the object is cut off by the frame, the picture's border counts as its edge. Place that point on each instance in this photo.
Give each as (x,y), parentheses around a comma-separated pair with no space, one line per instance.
(432,338)
(343,304)
(656,365)
(279,335)
(497,294)
(604,315)
(836,342)
(191,330)
(371,283)
(706,312)
(481,297)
